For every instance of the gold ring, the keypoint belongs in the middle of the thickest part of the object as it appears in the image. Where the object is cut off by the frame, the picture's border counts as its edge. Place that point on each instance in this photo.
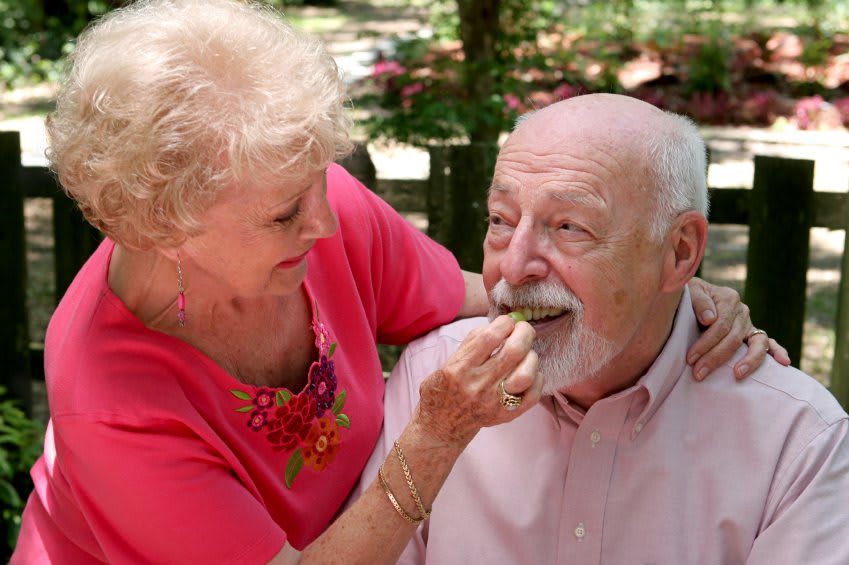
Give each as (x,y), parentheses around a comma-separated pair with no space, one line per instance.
(508,401)
(755,332)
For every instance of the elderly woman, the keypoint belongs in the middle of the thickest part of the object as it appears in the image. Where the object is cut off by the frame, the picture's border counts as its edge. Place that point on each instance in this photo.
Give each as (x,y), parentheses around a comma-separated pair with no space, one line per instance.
(213,380)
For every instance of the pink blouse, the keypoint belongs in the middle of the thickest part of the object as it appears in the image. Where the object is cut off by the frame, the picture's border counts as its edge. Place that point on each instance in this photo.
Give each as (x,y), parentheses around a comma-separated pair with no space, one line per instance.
(156,454)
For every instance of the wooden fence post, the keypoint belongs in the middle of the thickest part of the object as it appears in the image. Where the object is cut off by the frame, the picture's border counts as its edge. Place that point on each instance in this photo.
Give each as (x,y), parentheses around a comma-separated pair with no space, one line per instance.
(456,205)
(74,240)
(780,219)
(840,365)
(14,323)
(436,200)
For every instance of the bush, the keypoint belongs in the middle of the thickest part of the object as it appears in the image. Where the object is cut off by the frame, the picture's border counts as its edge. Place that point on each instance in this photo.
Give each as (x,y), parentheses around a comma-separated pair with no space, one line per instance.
(20,445)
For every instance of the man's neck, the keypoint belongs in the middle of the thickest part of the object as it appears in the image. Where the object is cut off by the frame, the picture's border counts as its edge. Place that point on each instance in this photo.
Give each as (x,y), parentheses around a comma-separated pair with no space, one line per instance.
(634,361)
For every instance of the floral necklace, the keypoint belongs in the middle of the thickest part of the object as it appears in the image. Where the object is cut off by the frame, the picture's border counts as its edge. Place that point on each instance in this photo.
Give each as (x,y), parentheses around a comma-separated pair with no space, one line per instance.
(305,425)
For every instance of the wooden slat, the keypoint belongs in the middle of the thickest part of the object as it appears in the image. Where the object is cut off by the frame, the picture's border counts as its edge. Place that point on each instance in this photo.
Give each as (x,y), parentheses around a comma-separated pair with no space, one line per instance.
(779,243)
(38,182)
(14,322)
(840,363)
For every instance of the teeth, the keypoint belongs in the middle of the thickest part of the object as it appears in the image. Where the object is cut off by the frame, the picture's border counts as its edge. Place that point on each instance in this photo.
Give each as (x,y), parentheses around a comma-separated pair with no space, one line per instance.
(539,313)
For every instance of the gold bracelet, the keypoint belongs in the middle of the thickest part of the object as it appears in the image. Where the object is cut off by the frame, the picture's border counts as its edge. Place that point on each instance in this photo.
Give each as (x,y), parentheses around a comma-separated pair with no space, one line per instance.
(413,491)
(392,499)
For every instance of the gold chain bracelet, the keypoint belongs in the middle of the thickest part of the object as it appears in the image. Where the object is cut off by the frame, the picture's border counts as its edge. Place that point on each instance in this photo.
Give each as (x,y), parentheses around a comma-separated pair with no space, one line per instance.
(393,500)
(413,491)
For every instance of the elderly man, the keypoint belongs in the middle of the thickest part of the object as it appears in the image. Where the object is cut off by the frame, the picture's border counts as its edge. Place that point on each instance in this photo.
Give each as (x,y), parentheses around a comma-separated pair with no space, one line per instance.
(596,223)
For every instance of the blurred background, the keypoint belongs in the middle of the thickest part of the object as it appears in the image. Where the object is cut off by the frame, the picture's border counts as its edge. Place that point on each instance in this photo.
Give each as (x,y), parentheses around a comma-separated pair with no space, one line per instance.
(761,77)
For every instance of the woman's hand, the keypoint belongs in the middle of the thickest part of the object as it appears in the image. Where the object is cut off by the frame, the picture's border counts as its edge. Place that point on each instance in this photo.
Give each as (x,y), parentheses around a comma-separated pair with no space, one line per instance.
(728,326)
(463,396)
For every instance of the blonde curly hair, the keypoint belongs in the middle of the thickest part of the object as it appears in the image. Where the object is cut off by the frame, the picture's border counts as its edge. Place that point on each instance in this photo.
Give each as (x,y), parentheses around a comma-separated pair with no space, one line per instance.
(167,101)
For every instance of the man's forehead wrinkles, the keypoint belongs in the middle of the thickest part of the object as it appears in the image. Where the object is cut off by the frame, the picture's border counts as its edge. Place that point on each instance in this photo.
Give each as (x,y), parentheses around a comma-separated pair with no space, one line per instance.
(580,193)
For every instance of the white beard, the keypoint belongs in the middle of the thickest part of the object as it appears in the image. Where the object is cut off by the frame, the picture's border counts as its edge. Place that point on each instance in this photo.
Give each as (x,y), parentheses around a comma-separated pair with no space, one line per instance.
(573,355)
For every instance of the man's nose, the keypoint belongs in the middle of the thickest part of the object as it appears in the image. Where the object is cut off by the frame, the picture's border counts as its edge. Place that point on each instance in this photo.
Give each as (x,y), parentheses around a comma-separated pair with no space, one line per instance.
(523,260)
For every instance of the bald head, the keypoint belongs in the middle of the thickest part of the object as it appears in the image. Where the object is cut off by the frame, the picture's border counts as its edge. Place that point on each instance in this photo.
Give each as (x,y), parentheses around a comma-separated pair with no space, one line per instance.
(660,153)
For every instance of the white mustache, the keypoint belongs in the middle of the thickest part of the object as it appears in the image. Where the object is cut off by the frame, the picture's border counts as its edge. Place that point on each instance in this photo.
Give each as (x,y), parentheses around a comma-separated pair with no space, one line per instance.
(542,294)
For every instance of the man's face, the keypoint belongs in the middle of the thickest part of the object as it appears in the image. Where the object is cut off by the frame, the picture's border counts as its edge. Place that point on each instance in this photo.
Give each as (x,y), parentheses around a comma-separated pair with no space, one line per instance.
(568,240)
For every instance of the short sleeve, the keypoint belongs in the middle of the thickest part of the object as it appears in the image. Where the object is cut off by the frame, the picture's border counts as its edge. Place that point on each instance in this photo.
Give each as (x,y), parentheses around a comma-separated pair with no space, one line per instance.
(416,283)
(158,493)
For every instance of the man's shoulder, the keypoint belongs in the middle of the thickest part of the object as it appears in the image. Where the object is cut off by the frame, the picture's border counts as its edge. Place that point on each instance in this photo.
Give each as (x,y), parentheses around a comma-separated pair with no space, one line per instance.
(446,336)
(427,353)
(773,391)
(790,386)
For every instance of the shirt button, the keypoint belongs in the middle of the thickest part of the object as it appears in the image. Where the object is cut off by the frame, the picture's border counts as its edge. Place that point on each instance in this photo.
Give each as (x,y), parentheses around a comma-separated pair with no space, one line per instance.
(580,531)
(639,427)
(595,437)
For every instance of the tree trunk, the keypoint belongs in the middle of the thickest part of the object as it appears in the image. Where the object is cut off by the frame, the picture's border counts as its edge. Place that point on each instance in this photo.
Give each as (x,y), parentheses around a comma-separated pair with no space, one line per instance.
(479,20)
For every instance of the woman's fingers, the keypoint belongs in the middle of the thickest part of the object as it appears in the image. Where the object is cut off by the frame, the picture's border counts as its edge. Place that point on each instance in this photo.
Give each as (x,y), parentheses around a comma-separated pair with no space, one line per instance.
(484,343)
(703,303)
(759,345)
(778,352)
(755,355)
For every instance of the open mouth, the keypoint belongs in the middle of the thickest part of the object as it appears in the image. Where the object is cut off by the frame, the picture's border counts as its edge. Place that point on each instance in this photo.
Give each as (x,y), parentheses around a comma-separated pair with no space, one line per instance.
(535,316)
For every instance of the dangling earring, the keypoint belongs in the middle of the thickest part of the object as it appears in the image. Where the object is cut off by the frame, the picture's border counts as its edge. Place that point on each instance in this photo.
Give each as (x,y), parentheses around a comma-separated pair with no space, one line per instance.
(181,297)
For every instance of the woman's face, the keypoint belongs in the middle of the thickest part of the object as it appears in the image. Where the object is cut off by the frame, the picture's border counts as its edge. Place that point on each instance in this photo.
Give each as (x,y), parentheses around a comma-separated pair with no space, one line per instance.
(255,240)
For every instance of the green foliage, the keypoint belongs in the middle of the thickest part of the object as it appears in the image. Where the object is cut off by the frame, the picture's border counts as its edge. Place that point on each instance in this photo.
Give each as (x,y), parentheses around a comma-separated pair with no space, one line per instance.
(815,52)
(34,41)
(546,50)
(20,446)
(710,65)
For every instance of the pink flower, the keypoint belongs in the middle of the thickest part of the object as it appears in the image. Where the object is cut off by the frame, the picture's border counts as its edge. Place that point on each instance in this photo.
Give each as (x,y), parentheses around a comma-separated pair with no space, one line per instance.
(412,89)
(512,101)
(807,111)
(322,337)
(258,419)
(842,106)
(383,67)
(565,91)
(264,398)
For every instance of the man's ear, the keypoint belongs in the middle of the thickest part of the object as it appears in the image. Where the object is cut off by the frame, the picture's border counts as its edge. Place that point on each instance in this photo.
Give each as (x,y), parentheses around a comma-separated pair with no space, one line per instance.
(684,249)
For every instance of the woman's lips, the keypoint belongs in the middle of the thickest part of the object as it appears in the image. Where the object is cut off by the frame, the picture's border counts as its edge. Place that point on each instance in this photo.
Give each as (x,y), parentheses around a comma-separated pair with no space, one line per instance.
(290,263)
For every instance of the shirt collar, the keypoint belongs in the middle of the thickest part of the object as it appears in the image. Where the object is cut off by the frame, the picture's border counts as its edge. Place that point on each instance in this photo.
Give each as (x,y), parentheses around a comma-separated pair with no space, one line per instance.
(660,378)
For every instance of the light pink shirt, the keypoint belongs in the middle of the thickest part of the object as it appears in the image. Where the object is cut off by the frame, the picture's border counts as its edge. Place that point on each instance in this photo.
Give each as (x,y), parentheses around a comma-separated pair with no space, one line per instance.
(669,471)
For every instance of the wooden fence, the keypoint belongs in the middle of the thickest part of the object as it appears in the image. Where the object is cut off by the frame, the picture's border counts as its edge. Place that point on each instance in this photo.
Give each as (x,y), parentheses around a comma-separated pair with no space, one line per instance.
(780,209)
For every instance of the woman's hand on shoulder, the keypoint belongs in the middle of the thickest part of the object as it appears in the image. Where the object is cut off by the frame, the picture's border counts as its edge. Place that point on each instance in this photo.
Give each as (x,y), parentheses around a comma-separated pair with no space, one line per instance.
(728,326)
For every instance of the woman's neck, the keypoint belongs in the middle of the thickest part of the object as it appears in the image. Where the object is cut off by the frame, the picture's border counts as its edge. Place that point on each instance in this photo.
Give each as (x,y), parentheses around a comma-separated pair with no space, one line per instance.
(250,338)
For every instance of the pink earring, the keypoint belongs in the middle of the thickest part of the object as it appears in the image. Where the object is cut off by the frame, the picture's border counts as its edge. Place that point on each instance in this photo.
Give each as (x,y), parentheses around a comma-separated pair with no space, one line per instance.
(181,297)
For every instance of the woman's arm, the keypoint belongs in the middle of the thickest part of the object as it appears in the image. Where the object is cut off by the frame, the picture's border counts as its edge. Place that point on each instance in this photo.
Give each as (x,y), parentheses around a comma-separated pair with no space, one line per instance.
(456,402)
(475,303)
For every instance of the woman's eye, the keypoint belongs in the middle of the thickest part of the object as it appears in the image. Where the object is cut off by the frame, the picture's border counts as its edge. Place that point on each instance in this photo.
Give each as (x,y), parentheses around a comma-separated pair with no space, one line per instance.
(289,217)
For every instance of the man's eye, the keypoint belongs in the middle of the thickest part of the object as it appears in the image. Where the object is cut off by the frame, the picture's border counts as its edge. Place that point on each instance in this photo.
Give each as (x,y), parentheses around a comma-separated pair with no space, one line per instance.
(496,220)
(570,227)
